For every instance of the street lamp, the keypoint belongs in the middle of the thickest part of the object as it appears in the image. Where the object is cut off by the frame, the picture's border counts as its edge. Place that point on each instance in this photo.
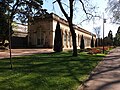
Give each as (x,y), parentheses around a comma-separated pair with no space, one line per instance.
(104,21)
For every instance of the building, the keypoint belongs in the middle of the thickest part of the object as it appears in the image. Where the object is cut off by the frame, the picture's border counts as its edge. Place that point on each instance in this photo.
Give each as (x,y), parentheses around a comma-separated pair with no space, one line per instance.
(19,37)
(41,32)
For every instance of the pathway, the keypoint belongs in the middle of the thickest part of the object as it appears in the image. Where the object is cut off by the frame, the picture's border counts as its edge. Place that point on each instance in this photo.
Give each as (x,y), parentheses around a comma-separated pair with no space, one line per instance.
(21,52)
(106,75)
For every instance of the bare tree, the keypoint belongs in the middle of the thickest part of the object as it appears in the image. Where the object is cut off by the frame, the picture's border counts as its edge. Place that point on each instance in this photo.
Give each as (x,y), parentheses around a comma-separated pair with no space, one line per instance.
(114,10)
(69,16)
(97,31)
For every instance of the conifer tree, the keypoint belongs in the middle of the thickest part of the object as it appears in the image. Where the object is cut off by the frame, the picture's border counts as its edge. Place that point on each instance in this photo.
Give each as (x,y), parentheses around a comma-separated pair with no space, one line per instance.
(92,42)
(58,39)
(82,45)
(96,42)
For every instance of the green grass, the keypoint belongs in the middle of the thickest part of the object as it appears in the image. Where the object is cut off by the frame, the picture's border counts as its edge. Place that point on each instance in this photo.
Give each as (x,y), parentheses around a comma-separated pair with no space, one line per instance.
(55,71)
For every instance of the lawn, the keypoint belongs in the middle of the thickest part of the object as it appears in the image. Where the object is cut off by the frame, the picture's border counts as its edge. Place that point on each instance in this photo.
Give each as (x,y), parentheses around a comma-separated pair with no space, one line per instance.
(55,71)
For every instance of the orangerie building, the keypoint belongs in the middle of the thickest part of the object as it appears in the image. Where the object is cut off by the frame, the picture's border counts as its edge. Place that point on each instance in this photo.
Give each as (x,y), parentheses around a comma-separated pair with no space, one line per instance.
(41,32)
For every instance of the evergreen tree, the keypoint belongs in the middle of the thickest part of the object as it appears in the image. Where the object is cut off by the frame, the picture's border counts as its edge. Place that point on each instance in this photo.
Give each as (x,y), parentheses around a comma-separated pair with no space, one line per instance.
(110,38)
(82,45)
(101,42)
(21,10)
(58,39)
(117,37)
(110,35)
(96,42)
(92,42)
(4,24)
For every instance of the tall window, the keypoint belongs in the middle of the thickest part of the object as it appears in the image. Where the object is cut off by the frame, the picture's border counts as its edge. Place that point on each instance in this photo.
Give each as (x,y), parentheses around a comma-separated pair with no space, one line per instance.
(69,39)
(78,40)
(65,39)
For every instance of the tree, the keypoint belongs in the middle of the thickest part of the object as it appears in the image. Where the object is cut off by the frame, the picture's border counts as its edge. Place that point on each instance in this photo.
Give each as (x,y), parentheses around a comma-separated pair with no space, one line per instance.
(110,35)
(114,9)
(117,37)
(58,39)
(97,31)
(82,45)
(110,38)
(69,17)
(4,24)
(23,9)
(20,10)
(92,42)
(96,42)
(100,41)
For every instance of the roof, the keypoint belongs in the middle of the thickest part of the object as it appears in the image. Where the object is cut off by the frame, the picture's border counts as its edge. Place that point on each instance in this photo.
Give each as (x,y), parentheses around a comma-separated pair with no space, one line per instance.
(63,21)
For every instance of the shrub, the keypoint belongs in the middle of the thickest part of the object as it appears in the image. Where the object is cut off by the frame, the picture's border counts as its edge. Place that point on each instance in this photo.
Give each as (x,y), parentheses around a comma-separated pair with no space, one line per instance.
(94,51)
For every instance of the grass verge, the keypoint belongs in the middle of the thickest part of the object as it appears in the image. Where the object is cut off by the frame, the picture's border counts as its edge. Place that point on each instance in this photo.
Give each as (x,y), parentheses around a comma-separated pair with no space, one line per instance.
(55,71)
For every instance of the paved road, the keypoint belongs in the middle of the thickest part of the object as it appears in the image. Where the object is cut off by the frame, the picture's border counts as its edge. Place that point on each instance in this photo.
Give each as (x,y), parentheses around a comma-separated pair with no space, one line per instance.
(106,76)
(21,52)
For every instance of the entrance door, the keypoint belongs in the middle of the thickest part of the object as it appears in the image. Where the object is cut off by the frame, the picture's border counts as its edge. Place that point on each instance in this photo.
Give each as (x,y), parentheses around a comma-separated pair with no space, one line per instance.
(40,38)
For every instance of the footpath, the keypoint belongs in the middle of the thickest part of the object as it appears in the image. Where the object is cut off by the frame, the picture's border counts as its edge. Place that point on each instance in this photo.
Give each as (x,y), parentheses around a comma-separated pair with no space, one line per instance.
(22,52)
(106,76)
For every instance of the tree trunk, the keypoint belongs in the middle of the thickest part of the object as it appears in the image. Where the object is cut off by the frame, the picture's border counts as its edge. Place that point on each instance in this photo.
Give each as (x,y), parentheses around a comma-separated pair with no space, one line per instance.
(69,19)
(74,44)
(73,39)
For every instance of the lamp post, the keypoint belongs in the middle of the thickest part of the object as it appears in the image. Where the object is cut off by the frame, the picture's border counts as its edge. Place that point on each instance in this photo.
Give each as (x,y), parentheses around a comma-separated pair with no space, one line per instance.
(104,21)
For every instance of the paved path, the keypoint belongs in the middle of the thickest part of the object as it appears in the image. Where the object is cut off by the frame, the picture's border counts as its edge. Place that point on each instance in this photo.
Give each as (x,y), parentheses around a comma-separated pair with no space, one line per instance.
(21,52)
(106,76)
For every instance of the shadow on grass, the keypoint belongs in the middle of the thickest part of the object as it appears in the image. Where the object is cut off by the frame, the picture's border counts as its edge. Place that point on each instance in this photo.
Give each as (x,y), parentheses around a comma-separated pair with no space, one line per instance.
(46,71)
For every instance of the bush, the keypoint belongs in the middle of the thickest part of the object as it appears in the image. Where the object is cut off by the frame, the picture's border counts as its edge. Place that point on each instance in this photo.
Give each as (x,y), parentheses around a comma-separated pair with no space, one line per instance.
(94,51)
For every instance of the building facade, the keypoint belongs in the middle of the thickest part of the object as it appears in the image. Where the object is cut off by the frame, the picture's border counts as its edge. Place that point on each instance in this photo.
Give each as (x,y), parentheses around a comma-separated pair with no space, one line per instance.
(41,32)
(20,36)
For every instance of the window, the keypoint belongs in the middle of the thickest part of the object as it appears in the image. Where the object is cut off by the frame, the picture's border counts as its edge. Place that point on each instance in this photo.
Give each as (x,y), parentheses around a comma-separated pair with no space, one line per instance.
(65,38)
(69,38)
(78,40)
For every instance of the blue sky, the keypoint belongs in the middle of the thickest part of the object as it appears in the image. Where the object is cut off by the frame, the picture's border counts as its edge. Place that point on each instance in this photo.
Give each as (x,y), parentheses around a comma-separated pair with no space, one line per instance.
(79,15)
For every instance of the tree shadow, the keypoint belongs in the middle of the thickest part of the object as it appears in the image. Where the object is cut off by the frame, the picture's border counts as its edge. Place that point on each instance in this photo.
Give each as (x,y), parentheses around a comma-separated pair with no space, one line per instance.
(109,85)
(106,69)
(37,71)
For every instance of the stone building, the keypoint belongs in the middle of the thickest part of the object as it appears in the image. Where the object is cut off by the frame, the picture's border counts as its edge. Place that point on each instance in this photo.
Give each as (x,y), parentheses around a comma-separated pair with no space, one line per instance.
(19,37)
(41,32)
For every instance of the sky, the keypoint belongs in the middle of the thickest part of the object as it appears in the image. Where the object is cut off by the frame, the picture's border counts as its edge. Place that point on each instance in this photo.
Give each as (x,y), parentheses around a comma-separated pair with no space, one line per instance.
(79,16)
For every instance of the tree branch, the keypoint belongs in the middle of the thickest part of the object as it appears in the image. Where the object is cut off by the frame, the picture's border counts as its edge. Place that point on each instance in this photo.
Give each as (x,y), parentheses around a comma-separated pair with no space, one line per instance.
(13,9)
(62,9)
(83,7)
(71,9)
